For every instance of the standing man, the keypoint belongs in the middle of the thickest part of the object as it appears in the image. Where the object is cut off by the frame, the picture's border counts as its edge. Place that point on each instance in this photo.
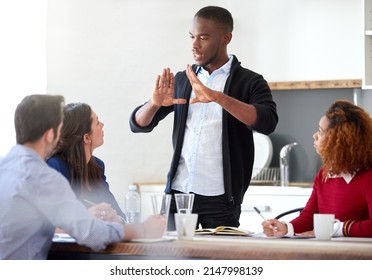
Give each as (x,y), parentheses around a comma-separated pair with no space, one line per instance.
(35,198)
(217,104)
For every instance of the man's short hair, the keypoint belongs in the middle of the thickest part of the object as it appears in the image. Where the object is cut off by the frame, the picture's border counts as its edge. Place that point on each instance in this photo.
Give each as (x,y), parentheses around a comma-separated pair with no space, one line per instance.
(217,14)
(36,114)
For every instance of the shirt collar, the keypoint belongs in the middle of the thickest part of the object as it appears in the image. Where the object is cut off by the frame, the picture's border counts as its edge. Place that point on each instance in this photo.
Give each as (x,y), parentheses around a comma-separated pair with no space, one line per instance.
(346,176)
(224,68)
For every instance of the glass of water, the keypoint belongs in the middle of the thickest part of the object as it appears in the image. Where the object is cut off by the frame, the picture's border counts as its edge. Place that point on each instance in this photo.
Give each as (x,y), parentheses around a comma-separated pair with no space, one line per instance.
(184,202)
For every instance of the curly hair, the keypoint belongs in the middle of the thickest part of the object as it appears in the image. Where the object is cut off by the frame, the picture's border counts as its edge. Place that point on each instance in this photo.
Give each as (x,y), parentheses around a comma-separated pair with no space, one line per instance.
(347,146)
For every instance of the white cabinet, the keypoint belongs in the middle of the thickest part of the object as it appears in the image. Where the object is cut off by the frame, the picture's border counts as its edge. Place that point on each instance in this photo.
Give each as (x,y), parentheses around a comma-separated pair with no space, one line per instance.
(271,201)
(367,77)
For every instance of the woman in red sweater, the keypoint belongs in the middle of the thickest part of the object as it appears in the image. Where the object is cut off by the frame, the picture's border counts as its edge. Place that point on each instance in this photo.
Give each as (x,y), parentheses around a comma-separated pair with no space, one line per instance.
(343,185)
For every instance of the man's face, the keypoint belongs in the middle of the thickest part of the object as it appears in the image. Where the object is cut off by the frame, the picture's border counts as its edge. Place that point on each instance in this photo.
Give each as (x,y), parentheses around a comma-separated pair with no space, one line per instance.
(209,42)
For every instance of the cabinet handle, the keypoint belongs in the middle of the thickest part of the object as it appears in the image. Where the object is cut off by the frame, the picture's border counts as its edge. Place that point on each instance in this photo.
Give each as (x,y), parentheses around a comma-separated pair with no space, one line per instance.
(249,208)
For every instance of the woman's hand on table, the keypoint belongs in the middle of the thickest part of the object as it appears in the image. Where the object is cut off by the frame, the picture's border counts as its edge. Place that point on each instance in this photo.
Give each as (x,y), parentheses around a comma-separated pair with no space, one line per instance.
(306,233)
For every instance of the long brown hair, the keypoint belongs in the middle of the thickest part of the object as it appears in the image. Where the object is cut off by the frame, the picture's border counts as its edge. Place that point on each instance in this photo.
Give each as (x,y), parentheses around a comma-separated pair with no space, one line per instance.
(347,146)
(78,122)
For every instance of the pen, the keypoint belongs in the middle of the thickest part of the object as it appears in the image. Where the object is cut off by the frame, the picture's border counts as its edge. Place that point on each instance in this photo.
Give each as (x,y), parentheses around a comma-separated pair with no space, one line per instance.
(124,219)
(259,213)
(89,202)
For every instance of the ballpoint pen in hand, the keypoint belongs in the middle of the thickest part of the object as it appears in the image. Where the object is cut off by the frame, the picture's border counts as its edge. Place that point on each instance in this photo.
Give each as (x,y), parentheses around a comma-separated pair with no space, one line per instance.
(124,219)
(259,213)
(89,202)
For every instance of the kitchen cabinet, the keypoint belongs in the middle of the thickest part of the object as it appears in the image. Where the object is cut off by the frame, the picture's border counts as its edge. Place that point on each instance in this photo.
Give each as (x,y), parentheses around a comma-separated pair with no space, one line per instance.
(367,77)
(270,200)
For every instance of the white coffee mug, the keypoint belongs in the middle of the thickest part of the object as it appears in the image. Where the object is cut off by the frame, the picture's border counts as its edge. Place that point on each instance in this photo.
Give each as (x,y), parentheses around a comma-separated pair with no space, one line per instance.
(325,226)
(185,225)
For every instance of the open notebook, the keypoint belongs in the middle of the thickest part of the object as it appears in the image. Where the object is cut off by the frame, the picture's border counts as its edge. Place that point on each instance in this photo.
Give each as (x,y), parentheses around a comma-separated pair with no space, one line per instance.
(224,230)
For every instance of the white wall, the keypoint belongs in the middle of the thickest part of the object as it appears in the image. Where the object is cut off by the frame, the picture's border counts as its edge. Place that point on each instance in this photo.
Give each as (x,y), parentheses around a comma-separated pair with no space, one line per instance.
(22,59)
(300,39)
(108,52)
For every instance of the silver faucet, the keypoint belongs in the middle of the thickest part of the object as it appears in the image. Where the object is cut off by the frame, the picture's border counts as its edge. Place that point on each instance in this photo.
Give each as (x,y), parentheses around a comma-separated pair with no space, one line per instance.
(284,166)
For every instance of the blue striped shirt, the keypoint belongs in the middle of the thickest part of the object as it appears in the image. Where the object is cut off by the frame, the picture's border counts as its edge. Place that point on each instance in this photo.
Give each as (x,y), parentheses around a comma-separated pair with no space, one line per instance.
(34,200)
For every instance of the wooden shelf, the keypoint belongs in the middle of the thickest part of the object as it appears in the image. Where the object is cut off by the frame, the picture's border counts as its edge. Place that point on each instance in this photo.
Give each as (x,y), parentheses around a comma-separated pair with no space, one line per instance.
(325,84)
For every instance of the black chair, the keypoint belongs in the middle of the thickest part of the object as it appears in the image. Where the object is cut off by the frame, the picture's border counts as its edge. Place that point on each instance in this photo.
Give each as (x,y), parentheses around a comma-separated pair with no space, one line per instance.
(289,212)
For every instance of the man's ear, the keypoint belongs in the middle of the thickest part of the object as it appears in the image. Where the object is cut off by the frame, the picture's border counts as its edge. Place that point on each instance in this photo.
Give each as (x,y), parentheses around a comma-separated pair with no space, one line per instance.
(49,135)
(227,38)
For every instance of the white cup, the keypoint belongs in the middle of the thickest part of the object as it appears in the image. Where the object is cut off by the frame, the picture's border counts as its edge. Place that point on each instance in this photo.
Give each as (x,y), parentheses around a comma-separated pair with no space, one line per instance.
(324,226)
(184,202)
(185,225)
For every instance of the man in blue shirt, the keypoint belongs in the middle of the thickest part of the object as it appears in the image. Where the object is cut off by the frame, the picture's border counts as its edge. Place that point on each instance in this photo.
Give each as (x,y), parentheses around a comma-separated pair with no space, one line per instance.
(35,199)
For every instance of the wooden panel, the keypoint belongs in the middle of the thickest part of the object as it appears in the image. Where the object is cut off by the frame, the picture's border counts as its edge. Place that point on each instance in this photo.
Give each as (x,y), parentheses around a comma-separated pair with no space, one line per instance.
(325,84)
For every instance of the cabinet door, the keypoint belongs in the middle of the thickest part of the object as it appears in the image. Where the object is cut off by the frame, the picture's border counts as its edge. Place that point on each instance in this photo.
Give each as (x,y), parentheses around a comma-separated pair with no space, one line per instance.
(367,76)
(269,206)
(271,201)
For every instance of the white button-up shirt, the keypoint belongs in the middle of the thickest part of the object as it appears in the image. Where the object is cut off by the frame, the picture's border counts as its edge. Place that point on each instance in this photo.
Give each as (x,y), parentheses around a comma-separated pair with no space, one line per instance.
(200,169)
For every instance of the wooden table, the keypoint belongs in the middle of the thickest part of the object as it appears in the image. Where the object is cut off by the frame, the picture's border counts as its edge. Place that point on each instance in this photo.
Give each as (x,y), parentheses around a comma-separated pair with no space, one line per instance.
(223,247)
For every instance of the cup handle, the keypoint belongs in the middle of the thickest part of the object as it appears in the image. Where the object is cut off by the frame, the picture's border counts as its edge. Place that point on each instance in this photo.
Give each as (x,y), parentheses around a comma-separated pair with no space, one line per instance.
(337,221)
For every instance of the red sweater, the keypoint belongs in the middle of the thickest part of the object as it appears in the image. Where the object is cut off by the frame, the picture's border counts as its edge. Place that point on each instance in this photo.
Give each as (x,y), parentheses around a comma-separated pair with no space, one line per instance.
(349,202)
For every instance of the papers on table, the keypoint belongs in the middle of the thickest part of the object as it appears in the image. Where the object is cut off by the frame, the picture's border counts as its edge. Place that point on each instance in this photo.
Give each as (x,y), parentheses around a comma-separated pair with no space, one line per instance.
(224,230)
(63,237)
(153,240)
(262,235)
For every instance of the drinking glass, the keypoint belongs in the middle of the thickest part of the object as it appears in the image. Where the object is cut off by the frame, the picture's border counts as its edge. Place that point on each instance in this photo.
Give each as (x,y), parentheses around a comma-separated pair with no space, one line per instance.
(184,202)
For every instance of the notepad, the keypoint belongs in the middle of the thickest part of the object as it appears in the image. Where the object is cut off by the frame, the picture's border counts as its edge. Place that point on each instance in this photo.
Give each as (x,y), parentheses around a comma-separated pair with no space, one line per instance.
(152,240)
(63,237)
(224,230)
(262,235)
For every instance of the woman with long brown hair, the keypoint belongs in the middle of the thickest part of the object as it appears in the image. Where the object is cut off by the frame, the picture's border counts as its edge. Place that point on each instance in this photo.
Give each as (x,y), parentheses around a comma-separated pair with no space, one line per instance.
(81,134)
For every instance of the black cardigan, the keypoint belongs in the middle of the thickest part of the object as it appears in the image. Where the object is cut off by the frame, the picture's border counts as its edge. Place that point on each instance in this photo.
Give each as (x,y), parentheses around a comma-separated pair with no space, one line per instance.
(237,139)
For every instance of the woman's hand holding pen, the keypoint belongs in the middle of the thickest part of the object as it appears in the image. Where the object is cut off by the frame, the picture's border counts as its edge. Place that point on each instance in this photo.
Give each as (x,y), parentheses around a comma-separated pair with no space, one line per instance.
(274,228)
(104,211)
